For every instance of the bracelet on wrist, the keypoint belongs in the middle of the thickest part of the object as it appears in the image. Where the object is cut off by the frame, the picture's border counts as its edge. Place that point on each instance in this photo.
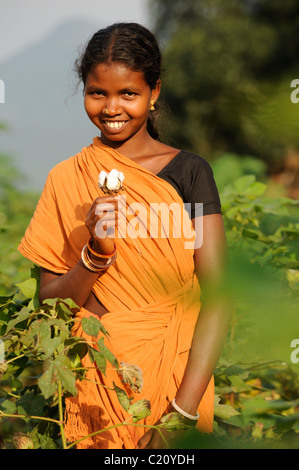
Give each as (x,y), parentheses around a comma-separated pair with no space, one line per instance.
(99,255)
(91,265)
(184,413)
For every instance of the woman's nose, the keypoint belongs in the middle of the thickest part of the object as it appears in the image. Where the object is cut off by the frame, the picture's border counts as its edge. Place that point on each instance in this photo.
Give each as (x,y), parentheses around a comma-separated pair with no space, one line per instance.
(112,107)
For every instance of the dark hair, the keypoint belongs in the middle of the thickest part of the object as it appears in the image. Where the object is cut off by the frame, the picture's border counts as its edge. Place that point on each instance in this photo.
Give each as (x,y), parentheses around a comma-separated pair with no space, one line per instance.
(130,44)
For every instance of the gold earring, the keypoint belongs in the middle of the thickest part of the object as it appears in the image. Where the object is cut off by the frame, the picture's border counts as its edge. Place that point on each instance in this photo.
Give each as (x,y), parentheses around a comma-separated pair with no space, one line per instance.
(152,107)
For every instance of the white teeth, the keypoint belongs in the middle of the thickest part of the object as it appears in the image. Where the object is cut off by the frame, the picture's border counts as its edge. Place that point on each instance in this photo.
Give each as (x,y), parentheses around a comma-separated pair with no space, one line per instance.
(115,125)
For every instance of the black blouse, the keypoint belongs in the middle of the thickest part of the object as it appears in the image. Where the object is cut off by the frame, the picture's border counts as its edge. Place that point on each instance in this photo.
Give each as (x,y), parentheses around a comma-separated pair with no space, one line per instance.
(192,177)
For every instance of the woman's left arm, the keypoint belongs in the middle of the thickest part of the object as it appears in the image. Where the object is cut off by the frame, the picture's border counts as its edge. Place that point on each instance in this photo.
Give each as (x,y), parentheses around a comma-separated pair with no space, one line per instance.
(213,321)
(212,324)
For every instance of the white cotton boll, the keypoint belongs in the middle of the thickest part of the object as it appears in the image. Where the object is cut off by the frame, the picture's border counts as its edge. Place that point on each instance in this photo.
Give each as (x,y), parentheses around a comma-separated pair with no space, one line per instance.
(102,178)
(114,173)
(112,182)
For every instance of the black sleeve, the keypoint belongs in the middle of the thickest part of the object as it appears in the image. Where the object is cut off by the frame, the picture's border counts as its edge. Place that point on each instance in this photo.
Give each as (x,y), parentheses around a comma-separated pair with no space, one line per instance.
(200,186)
(192,177)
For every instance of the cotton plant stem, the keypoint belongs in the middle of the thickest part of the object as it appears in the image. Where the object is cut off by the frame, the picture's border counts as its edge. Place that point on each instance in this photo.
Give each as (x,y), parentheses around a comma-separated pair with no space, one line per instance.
(60,423)
(10,415)
(60,413)
(94,433)
(99,383)
(124,423)
(15,358)
(157,428)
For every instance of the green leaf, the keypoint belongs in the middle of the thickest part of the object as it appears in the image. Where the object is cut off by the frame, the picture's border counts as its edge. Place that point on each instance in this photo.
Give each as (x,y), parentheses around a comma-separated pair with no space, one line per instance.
(91,326)
(47,382)
(255,189)
(61,328)
(58,369)
(123,398)
(238,385)
(65,375)
(107,353)
(174,422)
(22,315)
(243,183)
(64,311)
(47,442)
(235,370)
(76,347)
(31,404)
(70,303)
(15,368)
(62,306)
(28,287)
(5,301)
(99,358)
(8,406)
(249,233)
(223,411)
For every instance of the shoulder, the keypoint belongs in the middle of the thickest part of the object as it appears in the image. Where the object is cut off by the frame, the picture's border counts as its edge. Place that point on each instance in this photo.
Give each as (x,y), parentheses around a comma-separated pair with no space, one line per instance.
(193,161)
(60,168)
(197,181)
(189,168)
(67,168)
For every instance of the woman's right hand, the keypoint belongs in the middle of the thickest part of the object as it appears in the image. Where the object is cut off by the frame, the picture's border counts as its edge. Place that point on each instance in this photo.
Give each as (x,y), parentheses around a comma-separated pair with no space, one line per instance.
(101,221)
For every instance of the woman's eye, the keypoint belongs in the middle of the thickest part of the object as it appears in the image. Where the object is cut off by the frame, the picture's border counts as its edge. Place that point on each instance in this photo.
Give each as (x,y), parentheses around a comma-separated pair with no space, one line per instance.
(129,94)
(96,93)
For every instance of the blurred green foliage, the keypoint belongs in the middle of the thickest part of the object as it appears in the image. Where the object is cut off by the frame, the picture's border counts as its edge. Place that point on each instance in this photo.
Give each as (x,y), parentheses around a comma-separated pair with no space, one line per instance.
(229,67)
(16,209)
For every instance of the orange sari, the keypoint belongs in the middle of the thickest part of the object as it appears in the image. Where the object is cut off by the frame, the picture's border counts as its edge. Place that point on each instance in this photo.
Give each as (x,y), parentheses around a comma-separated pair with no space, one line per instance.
(151,294)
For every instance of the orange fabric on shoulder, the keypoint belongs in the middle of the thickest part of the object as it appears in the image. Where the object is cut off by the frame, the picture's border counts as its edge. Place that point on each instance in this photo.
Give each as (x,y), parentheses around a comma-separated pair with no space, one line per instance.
(151,292)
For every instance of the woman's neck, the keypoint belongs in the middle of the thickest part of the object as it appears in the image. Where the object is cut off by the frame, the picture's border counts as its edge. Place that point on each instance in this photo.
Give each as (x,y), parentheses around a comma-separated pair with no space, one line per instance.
(136,146)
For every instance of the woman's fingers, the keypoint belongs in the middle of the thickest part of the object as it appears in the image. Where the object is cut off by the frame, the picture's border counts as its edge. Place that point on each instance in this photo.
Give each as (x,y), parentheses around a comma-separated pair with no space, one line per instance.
(108,201)
(105,226)
(145,440)
(102,216)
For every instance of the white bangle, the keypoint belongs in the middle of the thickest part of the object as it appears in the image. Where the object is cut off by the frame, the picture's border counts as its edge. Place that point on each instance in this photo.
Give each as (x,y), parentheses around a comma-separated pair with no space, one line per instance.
(184,413)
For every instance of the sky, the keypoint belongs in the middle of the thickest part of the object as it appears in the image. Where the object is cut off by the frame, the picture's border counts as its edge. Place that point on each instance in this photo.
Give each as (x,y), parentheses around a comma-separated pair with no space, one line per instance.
(22,22)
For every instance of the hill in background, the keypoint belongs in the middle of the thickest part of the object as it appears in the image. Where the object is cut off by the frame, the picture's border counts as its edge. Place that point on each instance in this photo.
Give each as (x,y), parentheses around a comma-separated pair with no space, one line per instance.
(43,109)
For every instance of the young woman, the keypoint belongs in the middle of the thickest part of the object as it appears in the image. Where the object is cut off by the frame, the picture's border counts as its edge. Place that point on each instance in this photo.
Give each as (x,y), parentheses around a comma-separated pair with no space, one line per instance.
(148,297)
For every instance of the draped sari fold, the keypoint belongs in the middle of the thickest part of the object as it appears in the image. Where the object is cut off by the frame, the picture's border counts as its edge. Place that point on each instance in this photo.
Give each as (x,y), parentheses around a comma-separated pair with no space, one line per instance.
(151,292)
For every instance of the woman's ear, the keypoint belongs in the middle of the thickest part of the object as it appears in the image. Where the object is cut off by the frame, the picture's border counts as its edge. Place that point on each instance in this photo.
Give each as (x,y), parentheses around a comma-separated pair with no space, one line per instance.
(156,91)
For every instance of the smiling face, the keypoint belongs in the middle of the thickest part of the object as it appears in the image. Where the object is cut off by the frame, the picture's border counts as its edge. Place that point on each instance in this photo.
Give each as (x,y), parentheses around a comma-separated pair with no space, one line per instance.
(117,101)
